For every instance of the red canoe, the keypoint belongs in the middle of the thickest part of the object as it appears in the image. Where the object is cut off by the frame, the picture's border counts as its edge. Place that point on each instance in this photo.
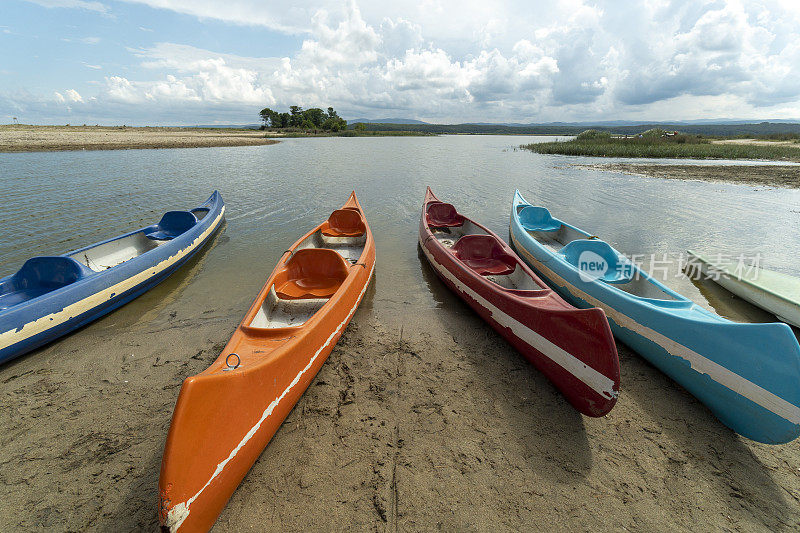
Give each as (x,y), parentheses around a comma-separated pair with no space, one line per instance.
(573,347)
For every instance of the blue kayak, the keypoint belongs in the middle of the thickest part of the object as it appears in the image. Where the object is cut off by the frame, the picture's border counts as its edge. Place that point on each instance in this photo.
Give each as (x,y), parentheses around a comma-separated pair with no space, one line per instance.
(51,296)
(747,374)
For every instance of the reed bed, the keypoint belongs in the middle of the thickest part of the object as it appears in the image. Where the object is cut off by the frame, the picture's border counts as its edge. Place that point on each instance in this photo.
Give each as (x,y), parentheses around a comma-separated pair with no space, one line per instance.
(655,145)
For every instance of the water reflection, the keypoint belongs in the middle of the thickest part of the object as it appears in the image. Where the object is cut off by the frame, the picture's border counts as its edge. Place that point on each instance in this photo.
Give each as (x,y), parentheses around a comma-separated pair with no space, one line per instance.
(63,200)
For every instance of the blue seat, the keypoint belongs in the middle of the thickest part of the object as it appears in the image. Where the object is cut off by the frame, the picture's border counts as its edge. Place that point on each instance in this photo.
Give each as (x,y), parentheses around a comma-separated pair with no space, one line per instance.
(535,218)
(596,259)
(40,275)
(173,224)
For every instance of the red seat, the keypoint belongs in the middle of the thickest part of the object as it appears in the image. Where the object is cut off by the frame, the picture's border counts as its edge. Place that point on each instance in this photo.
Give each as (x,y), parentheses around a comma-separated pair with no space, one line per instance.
(311,273)
(443,215)
(344,223)
(484,255)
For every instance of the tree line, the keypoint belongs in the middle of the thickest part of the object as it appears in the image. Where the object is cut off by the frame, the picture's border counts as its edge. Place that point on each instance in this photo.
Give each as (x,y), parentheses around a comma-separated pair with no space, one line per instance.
(307,119)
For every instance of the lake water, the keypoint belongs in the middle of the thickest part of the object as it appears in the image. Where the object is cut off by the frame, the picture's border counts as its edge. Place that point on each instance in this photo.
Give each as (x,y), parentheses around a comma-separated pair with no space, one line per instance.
(56,202)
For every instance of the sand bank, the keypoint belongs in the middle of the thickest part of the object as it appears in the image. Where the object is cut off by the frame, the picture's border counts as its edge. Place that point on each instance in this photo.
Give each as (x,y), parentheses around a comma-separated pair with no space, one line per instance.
(770,175)
(434,424)
(24,138)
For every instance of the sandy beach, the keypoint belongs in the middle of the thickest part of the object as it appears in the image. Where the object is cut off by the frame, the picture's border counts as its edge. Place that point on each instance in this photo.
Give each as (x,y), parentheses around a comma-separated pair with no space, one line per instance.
(787,176)
(24,138)
(423,418)
(421,425)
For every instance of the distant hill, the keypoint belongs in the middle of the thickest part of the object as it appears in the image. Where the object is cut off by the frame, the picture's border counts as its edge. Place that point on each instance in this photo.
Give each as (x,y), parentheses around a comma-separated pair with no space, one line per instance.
(613,123)
(629,128)
(720,127)
(385,121)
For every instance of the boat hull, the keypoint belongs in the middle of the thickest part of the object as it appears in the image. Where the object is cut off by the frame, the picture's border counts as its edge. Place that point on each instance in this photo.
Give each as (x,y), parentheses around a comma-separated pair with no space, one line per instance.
(781,306)
(573,348)
(42,320)
(224,418)
(747,374)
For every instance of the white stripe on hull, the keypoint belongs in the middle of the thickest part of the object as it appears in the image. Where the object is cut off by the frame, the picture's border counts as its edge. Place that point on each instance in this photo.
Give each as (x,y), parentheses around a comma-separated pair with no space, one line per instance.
(595,380)
(699,363)
(40,325)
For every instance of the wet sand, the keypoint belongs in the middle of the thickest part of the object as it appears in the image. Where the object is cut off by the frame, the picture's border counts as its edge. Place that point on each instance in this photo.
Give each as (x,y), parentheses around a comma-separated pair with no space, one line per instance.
(787,176)
(24,138)
(432,422)
(756,142)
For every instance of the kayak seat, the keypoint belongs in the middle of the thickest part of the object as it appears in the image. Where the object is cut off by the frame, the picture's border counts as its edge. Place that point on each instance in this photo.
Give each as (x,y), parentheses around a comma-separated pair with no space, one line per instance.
(40,275)
(598,260)
(535,218)
(484,255)
(311,273)
(172,224)
(443,215)
(344,223)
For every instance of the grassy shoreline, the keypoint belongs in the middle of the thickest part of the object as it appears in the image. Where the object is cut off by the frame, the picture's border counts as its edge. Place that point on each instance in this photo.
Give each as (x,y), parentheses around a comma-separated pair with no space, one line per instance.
(658,145)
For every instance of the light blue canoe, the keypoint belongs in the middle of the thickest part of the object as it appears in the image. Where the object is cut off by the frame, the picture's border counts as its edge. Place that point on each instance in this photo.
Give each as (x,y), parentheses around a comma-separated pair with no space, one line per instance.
(747,374)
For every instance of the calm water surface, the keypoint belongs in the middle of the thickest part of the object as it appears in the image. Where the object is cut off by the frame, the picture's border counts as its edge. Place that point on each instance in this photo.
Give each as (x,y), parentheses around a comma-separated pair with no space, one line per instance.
(56,202)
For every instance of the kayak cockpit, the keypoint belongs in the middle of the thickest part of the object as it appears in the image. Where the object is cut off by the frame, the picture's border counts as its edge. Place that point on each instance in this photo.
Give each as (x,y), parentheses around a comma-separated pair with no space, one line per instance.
(38,276)
(112,253)
(594,258)
(315,271)
(200,212)
(350,247)
(549,231)
(516,280)
(172,224)
(448,236)
(477,249)
(117,251)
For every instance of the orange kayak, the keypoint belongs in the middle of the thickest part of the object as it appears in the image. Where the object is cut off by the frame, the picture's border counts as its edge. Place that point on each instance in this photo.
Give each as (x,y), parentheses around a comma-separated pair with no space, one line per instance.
(226,415)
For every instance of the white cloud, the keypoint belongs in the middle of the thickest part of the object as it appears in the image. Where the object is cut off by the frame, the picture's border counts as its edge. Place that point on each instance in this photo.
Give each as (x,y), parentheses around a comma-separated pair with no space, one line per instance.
(77,4)
(72,95)
(84,40)
(287,17)
(467,60)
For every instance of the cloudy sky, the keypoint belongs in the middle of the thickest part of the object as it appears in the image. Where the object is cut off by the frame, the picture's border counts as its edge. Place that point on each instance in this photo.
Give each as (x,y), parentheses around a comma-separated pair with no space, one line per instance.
(210,61)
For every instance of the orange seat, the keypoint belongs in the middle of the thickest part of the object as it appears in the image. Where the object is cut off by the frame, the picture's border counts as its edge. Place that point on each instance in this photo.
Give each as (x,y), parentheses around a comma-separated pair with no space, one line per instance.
(311,273)
(344,223)
(484,255)
(443,215)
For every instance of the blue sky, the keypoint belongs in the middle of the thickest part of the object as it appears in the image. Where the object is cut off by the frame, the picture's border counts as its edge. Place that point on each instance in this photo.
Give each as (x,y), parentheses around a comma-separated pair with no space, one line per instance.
(166,62)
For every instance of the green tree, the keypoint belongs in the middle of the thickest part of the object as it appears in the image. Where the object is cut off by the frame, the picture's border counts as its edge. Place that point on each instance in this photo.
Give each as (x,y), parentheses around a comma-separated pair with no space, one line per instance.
(314,115)
(360,127)
(313,118)
(332,124)
(267,115)
(296,118)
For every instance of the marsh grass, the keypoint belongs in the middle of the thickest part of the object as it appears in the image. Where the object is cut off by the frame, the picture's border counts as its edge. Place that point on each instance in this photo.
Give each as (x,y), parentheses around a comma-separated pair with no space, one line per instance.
(653,144)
